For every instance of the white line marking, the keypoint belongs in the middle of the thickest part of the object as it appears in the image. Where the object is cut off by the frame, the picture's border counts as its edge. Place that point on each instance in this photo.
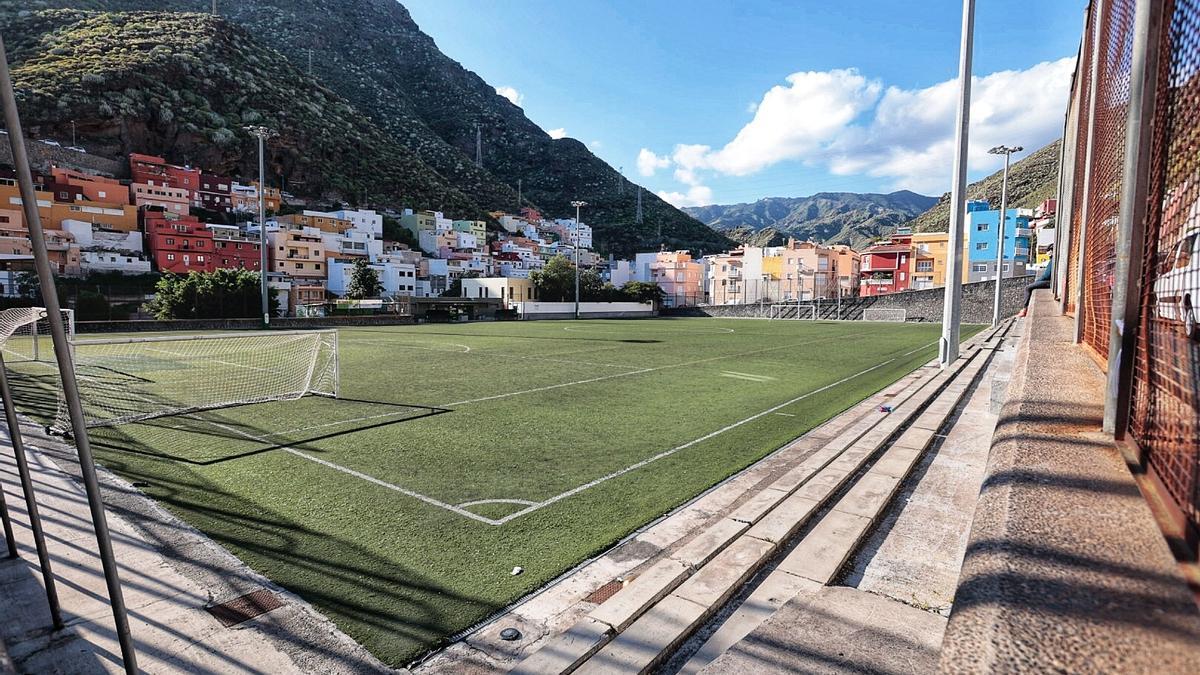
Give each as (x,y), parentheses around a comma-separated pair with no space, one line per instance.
(465,349)
(368,418)
(228,363)
(477,502)
(581,329)
(718,432)
(785,414)
(746,376)
(358,474)
(643,370)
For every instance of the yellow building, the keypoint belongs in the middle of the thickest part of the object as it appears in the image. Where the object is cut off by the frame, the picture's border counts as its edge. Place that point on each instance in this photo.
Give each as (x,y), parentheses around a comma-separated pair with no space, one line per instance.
(321,221)
(929,259)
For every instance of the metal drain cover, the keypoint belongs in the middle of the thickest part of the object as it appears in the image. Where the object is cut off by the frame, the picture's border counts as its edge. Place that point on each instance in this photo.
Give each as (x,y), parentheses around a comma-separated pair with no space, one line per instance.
(245,607)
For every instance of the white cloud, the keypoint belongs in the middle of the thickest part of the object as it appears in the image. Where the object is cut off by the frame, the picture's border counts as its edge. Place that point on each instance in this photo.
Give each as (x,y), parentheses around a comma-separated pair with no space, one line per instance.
(849,124)
(515,97)
(697,195)
(648,162)
(557,133)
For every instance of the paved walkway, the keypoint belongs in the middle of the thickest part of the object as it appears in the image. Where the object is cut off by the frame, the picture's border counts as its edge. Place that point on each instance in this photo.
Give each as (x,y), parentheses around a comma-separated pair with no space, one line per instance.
(173,631)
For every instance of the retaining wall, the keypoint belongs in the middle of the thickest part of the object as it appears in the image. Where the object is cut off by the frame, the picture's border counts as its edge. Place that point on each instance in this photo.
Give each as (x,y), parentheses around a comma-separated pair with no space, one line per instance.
(42,157)
(237,324)
(924,305)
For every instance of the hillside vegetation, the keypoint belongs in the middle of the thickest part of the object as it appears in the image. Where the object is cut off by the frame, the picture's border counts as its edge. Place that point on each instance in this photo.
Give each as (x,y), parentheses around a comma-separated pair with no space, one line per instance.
(1031,181)
(370,56)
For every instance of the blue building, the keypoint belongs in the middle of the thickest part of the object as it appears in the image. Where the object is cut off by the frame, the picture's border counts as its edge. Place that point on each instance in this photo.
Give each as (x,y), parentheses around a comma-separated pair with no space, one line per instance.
(981,242)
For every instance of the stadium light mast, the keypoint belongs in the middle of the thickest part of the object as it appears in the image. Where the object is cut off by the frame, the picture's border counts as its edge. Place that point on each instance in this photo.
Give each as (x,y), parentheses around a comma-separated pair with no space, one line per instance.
(577,205)
(1007,152)
(262,133)
(952,305)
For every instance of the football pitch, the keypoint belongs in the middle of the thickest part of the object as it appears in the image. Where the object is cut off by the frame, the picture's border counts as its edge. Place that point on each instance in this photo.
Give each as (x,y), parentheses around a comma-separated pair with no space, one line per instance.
(456,452)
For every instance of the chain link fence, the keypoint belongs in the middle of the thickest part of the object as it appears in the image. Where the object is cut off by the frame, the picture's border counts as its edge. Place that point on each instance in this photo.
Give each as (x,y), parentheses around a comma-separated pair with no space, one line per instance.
(1133,270)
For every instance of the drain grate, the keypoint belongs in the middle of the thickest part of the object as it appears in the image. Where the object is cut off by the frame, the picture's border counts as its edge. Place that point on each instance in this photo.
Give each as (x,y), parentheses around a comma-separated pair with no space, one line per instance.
(605,592)
(245,607)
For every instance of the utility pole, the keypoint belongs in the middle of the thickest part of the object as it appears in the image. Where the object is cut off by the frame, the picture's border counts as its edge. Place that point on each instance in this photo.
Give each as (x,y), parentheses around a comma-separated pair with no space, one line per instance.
(262,133)
(310,61)
(952,305)
(1007,152)
(519,202)
(66,365)
(577,205)
(638,217)
(214,7)
(478,145)
(73,141)
(621,182)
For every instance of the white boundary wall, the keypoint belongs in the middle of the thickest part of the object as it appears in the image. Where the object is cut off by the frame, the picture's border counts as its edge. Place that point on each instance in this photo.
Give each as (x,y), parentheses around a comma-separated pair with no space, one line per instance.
(587,310)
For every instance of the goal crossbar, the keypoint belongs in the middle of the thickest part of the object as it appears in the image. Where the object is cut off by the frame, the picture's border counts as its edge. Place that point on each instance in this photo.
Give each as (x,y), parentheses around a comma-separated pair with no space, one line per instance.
(130,379)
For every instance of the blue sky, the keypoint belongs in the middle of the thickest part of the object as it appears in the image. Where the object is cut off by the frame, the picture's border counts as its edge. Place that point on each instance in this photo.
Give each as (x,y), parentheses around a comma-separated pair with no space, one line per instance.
(733,101)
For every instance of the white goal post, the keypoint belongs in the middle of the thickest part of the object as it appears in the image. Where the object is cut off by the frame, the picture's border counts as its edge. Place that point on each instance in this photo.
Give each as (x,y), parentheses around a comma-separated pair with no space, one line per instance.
(123,380)
(786,310)
(899,315)
(25,333)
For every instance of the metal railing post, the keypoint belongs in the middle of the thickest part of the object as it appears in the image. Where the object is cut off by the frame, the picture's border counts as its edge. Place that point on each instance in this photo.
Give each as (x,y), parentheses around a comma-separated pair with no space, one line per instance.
(1130,243)
(31,507)
(66,366)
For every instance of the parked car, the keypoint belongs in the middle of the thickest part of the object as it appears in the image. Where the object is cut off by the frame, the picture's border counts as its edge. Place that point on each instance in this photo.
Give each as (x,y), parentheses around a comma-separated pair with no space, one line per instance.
(47,141)
(76,148)
(1177,289)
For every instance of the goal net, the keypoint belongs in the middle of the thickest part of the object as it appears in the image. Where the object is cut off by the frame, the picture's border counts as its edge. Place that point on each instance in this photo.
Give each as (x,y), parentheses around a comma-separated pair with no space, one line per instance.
(884,314)
(785,310)
(25,333)
(124,380)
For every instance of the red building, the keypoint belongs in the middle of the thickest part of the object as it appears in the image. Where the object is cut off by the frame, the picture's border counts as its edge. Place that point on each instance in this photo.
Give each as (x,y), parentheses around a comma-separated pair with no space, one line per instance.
(886,266)
(214,193)
(153,170)
(235,249)
(185,244)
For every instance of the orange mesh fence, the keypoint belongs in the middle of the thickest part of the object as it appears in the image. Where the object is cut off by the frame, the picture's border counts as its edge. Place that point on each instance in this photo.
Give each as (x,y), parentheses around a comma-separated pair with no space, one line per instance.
(1108,163)
(1084,74)
(1165,415)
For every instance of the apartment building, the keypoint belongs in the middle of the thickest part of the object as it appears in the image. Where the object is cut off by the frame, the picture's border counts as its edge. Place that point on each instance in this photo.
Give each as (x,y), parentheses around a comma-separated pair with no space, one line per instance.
(507,289)
(929,254)
(179,245)
(319,220)
(244,198)
(215,193)
(887,266)
(92,188)
(174,200)
(982,243)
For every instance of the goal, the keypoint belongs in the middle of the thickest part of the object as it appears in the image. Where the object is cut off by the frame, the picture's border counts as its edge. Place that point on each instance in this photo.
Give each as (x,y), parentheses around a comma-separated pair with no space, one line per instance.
(784,310)
(885,314)
(25,333)
(124,380)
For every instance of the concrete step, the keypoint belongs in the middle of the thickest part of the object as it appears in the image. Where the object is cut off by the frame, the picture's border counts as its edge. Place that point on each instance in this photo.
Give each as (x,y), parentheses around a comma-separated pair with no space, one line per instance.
(819,556)
(652,615)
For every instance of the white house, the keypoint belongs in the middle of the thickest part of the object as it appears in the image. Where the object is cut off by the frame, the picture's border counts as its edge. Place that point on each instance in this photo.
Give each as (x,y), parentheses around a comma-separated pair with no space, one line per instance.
(354,241)
(364,219)
(88,235)
(396,277)
(113,261)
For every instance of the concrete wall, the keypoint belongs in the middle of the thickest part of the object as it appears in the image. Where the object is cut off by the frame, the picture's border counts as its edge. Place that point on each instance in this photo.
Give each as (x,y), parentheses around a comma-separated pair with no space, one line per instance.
(43,156)
(587,310)
(924,305)
(283,323)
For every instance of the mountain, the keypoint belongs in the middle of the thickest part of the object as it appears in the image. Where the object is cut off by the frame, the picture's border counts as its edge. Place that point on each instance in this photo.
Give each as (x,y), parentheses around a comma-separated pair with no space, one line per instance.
(828,217)
(396,95)
(1031,181)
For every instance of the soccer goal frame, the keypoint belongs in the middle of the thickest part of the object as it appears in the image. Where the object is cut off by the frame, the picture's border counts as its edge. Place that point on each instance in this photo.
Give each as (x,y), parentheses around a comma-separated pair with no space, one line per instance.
(132,379)
(25,333)
(893,314)
(792,311)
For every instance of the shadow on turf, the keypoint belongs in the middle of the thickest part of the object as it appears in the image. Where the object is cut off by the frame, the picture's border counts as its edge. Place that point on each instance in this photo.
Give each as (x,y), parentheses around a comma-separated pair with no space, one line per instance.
(209,428)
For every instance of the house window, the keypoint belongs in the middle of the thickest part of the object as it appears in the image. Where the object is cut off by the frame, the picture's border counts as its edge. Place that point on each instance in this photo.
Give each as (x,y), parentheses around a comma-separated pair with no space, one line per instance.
(199,258)
(981,227)
(979,267)
(981,246)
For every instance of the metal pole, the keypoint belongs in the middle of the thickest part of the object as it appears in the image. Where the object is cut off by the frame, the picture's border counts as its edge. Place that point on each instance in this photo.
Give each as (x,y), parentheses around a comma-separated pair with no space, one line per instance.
(577,205)
(951,306)
(262,230)
(1085,213)
(1135,183)
(31,507)
(66,365)
(1000,241)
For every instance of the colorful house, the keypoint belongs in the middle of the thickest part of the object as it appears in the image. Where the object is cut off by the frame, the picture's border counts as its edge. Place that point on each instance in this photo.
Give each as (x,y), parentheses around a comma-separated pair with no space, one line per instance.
(980,244)
(929,259)
(886,266)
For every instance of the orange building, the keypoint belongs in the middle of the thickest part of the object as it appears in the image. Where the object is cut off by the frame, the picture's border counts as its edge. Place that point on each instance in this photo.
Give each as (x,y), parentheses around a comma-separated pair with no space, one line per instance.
(245,198)
(680,278)
(320,221)
(94,188)
(115,216)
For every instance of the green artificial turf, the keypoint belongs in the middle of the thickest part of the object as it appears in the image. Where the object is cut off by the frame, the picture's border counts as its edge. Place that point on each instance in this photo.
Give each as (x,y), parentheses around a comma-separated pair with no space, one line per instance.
(492,411)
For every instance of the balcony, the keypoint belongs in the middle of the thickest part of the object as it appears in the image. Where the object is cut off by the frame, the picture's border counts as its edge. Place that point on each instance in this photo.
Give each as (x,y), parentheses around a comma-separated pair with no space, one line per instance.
(1024,232)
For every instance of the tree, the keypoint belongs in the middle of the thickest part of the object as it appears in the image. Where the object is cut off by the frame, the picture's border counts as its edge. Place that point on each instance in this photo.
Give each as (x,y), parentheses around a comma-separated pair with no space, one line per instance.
(555,282)
(644,291)
(222,294)
(364,281)
(92,306)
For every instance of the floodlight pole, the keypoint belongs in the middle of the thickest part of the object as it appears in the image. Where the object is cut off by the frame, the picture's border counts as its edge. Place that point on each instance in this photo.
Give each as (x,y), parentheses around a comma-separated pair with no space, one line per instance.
(1007,152)
(31,507)
(577,205)
(261,133)
(66,365)
(951,306)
